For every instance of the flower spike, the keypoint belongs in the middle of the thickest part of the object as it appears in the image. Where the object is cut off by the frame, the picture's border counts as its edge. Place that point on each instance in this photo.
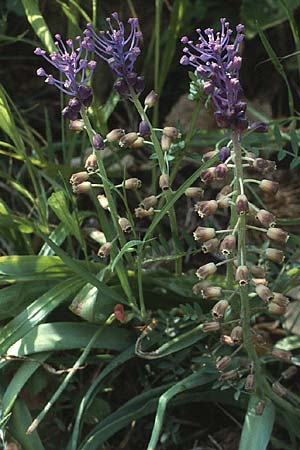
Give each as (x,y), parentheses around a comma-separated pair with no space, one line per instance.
(217,61)
(119,51)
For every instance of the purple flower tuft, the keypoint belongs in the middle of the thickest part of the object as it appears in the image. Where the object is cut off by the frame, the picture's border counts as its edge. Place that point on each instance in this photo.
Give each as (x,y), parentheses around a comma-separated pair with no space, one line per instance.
(73,64)
(217,61)
(119,51)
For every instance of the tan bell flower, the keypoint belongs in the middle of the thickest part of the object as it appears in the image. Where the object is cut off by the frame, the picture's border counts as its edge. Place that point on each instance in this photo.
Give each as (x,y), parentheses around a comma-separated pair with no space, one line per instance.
(125,224)
(151,99)
(270,187)
(264,293)
(76,125)
(242,275)
(79,177)
(138,143)
(208,175)
(128,139)
(227,246)
(206,208)
(275,309)
(171,132)
(275,255)
(149,202)
(266,218)
(91,163)
(141,213)
(164,182)
(198,287)
(82,188)
(209,292)
(219,309)
(206,270)
(105,250)
(242,205)
(103,201)
(204,234)
(165,142)
(115,135)
(210,246)
(278,235)
(194,192)
(237,334)
(250,382)
(132,184)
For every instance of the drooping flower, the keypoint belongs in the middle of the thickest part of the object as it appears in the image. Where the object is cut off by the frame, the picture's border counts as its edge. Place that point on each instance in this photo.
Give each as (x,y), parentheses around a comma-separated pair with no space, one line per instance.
(76,69)
(217,61)
(119,51)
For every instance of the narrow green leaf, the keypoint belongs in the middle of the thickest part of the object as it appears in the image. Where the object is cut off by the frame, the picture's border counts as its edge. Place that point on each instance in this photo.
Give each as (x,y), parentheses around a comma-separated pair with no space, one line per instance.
(94,389)
(126,248)
(38,23)
(13,299)
(36,312)
(58,204)
(21,419)
(295,163)
(32,268)
(201,377)
(83,272)
(257,430)
(18,381)
(294,142)
(59,336)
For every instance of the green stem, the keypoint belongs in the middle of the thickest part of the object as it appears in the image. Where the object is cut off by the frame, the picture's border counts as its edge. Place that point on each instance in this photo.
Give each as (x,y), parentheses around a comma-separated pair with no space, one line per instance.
(113,211)
(188,139)
(164,170)
(140,282)
(158,8)
(242,256)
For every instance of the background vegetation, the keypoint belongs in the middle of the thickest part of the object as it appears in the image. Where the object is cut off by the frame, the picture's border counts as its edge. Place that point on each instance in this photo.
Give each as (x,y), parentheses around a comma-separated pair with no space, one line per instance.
(63,359)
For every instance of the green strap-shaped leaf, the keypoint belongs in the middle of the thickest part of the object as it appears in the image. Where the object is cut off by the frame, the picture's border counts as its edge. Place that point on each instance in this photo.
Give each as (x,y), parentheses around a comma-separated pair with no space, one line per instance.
(18,381)
(38,23)
(36,312)
(21,419)
(58,336)
(257,430)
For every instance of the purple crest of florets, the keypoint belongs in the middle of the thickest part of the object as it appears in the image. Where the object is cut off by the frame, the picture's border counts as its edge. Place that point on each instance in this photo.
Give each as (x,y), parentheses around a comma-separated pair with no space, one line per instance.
(216,59)
(72,63)
(118,50)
